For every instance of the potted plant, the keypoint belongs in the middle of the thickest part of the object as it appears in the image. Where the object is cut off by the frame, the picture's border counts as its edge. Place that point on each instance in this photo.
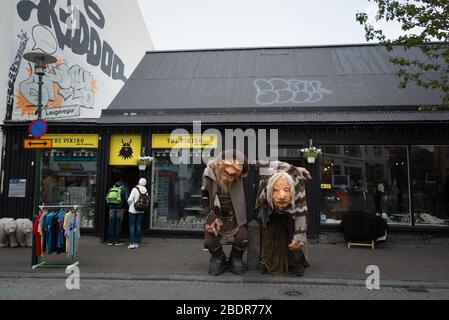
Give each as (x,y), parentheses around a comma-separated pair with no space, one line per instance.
(311,153)
(144,161)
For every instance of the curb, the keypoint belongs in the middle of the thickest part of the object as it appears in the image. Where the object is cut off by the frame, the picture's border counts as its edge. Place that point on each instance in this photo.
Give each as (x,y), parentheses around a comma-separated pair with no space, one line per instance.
(248,278)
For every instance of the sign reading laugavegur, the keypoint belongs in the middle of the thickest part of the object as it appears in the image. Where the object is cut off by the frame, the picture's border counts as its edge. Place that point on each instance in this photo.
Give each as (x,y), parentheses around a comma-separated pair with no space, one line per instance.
(89,141)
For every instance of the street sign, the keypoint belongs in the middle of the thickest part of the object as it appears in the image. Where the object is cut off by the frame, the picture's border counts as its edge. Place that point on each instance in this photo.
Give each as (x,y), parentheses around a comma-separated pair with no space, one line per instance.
(37,128)
(37,143)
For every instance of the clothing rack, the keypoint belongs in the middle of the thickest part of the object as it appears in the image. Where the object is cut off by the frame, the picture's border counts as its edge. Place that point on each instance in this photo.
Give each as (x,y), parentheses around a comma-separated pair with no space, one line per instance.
(41,263)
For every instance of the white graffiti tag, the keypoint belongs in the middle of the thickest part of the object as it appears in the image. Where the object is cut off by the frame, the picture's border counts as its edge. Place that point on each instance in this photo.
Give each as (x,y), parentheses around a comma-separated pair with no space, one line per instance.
(283,91)
(73,82)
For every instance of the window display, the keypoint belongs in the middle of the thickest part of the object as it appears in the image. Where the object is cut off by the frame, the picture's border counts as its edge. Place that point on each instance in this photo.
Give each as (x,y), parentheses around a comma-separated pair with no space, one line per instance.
(430,184)
(69,178)
(369,179)
(176,200)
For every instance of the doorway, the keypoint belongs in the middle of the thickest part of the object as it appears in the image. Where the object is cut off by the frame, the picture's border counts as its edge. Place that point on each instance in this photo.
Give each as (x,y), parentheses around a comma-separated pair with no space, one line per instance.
(130,177)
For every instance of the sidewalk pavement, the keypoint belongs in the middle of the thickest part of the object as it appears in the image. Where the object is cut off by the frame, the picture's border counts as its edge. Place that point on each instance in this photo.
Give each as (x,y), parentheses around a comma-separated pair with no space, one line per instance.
(184,259)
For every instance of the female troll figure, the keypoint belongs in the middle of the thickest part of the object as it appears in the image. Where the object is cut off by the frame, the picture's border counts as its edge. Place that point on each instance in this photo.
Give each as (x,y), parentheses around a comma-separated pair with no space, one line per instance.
(282,209)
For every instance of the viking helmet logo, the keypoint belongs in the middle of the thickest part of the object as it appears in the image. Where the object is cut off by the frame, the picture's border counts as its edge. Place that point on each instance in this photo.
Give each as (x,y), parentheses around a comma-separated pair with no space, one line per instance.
(126,152)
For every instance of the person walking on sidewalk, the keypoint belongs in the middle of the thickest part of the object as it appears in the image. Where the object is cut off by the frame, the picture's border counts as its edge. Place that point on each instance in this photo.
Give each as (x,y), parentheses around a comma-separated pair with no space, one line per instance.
(117,202)
(138,202)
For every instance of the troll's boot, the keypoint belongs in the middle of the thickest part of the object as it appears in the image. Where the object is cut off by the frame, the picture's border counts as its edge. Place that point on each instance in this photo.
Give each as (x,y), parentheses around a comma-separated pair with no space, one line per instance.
(217,264)
(236,264)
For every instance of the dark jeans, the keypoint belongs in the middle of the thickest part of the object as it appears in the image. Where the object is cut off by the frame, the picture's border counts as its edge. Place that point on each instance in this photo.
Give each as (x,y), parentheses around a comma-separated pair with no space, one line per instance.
(115,224)
(135,222)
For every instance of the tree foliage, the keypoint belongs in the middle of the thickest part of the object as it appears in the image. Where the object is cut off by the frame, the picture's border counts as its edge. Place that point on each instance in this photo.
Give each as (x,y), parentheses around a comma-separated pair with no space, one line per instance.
(426,25)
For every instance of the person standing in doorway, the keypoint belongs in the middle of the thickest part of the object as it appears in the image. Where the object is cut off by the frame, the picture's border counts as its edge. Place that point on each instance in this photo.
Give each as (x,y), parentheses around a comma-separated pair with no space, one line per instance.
(138,202)
(116,199)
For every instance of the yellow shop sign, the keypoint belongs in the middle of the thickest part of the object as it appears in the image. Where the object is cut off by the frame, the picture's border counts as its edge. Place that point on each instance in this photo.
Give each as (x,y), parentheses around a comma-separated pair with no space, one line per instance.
(124,149)
(82,141)
(167,141)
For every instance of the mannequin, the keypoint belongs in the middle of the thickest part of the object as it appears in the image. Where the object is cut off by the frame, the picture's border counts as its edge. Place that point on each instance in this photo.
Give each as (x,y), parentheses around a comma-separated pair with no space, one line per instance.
(379,197)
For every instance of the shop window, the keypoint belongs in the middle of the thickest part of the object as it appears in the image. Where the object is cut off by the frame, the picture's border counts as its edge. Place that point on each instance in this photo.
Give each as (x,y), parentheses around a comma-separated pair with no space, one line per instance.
(69,178)
(378,151)
(176,200)
(353,151)
(371,184)
(331,149)
(430,184)
(291,155)
(288,153)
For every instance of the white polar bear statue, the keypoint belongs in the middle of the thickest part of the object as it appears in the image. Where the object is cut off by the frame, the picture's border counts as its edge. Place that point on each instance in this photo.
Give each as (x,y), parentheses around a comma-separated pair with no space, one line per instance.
(24,236)
(7,233)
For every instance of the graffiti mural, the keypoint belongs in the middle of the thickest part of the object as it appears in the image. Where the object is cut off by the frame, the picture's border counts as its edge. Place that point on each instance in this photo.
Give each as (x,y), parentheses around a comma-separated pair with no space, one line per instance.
(82,40)
(74,87)
(13,71)
(282,91)
(93,44)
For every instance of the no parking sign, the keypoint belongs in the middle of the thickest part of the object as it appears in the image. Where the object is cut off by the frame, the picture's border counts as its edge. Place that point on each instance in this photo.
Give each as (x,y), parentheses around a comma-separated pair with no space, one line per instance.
(38,128)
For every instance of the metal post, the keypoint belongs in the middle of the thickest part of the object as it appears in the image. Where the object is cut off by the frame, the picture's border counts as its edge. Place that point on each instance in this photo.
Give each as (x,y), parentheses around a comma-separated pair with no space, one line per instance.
(40,60)
(313,191)
(253,249)
(37,173)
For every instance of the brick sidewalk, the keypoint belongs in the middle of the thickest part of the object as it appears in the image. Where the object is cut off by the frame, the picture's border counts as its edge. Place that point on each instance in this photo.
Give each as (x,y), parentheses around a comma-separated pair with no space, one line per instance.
(186,257)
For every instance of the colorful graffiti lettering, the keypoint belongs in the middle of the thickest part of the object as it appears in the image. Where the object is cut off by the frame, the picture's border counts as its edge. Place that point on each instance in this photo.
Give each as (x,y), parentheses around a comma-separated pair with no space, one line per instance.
(13,71)
(61,85)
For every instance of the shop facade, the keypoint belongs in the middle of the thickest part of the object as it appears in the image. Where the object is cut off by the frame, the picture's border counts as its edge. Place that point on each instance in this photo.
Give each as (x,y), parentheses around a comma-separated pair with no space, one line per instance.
(409,159)
(384,156)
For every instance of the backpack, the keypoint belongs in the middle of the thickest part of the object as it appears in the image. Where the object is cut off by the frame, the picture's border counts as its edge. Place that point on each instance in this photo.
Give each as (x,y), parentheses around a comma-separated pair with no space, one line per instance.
(114,195)
(143,202)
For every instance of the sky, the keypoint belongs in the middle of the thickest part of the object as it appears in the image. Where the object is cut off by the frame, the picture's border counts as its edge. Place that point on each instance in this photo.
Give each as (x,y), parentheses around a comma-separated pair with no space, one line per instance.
(202,24)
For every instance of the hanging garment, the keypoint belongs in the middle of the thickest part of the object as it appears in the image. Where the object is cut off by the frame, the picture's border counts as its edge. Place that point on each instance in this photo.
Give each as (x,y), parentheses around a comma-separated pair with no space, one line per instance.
(60,238)
(37,235)
(72,233)
(47,230)
(54,232)
(45,237)
(41,231)
(64,227)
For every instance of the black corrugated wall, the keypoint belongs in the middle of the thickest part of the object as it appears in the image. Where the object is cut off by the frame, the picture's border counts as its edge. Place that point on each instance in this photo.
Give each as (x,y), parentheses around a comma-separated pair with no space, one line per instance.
(17,164)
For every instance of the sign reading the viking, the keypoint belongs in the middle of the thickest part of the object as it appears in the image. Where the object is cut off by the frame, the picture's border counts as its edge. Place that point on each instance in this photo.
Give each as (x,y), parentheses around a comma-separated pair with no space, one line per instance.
(188,141)
(85,141)
(124,149)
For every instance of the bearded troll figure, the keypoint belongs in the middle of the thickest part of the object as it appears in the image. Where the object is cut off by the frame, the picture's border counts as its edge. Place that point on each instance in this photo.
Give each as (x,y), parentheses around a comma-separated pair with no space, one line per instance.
(282,209)
(224,206)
